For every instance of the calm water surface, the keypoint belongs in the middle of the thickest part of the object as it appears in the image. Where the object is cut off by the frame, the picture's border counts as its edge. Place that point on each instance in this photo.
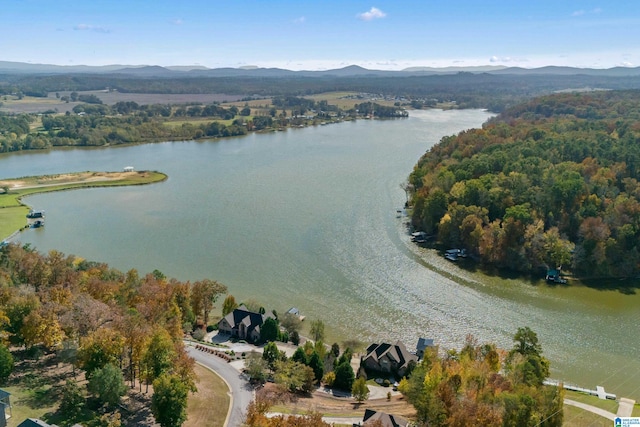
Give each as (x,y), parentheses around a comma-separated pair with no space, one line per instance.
(307,218)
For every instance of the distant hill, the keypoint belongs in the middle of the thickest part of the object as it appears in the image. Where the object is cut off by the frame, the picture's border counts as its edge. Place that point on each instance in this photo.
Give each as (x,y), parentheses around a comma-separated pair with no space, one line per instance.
(571,71)
(8,67)
(453,70)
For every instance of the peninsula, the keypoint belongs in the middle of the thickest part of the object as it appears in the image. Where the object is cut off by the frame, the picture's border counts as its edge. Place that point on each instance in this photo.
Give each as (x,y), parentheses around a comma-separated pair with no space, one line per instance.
(13,210)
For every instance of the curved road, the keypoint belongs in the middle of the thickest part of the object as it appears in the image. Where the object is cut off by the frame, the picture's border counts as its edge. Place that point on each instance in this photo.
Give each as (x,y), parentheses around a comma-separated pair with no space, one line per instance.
(241,392)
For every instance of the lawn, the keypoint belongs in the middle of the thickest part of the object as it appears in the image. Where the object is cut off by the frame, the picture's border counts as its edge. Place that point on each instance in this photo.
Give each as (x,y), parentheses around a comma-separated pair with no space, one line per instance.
(576,417)
(209,406)
(607,405)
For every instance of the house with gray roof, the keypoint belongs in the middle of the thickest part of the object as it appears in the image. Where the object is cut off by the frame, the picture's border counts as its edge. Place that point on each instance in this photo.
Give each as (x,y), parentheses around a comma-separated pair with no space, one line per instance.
(383,419)
(243,324)
(388,358)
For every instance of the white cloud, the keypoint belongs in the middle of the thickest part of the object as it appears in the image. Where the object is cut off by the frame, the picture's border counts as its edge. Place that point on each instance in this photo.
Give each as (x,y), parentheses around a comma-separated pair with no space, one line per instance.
(299,20)
(373,13)
(87,27)
(503,59)
(625,64)
(582,12)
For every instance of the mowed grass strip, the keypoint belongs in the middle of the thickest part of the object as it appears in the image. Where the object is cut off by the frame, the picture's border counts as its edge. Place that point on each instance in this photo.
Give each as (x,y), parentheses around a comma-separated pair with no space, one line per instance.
(576,417)
(208,407)
(606,404)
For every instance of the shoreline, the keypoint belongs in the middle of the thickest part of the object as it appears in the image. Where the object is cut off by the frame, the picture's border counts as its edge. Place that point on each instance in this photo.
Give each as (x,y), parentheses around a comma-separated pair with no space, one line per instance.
(13,208)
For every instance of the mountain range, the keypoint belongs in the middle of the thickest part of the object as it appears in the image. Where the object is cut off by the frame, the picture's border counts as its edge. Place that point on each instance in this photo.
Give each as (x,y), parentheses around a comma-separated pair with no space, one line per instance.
(8,67)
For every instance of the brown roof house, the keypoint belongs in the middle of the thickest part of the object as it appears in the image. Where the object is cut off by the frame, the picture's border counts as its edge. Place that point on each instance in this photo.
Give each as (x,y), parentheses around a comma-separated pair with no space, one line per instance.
(243,324)
(384,419)
(391,358)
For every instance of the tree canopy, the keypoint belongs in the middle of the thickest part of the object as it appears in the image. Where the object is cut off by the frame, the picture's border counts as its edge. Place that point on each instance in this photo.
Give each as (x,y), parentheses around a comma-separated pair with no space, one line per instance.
(546,184)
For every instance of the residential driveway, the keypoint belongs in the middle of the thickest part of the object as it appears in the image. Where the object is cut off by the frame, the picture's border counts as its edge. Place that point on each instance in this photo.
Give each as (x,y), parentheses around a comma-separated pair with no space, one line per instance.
(241,391)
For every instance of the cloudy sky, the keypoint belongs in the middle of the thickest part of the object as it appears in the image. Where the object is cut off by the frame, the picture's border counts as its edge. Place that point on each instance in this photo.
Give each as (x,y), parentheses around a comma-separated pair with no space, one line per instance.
(322,34)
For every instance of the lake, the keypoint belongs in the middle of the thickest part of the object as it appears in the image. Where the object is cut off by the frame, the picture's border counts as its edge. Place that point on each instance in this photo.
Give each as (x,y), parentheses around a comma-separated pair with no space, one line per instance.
(307,218)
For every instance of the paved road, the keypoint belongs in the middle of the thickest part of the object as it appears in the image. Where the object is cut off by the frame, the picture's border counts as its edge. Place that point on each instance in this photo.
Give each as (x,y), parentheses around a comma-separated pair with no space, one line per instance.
(241,391)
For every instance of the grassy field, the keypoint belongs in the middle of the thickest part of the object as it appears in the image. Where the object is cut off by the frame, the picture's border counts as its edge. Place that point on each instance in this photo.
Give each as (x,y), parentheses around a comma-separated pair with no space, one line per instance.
(576,417)
(13,212)
(607,405)
(208,407)
(30,104)
(198,121)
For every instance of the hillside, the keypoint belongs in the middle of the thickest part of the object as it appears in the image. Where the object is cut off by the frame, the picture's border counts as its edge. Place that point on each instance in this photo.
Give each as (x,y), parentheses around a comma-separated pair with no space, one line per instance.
(549,183)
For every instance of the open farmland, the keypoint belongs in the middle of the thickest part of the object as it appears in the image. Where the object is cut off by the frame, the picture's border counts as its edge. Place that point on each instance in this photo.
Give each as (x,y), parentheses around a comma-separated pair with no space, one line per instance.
(29,104)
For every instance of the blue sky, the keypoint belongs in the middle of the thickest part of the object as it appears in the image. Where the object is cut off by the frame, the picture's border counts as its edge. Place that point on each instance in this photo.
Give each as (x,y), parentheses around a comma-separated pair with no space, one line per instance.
(322,34)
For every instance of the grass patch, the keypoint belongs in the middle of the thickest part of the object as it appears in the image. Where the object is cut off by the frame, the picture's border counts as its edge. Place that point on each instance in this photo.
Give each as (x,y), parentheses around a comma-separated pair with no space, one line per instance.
(607,405)
(636,410)
(25,404)
(576,417)
(208,407)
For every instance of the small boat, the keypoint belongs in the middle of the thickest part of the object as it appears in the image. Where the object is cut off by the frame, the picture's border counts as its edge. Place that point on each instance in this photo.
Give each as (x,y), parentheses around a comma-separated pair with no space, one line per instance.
(454,254)
(419,237)
(35,214)
(37,224)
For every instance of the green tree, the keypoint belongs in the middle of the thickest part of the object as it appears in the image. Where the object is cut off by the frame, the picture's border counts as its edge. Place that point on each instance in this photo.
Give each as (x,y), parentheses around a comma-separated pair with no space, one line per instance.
(256,367)
(269,330)
(294,376)
(317,330)
(72,401)
(271,354)
(6,363)
(315,363)
(107,384)
(159,356)
(526,342)
(359,390)
(300,356)
(344,376)
(228,305)
(169,401)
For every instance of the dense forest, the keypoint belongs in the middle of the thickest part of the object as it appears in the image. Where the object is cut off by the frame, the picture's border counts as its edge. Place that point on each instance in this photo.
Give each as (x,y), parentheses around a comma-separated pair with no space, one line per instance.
(550,183)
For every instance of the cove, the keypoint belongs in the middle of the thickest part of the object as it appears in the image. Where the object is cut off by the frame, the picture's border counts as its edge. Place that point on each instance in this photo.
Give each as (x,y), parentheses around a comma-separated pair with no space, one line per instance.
(307,218)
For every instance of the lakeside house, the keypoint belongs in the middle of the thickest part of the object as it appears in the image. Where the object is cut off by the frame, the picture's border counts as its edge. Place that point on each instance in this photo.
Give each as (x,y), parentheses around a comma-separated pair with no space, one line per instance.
(243,324)
(388,358)
(383,419)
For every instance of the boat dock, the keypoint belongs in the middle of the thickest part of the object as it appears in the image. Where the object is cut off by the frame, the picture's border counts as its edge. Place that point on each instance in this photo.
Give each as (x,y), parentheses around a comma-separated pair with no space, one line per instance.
(599,391)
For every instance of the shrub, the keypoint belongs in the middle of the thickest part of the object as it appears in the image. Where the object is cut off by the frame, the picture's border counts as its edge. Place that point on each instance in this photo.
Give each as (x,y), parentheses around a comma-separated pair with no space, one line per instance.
(386,383)
(199,334)
(329,378)
(211,328)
